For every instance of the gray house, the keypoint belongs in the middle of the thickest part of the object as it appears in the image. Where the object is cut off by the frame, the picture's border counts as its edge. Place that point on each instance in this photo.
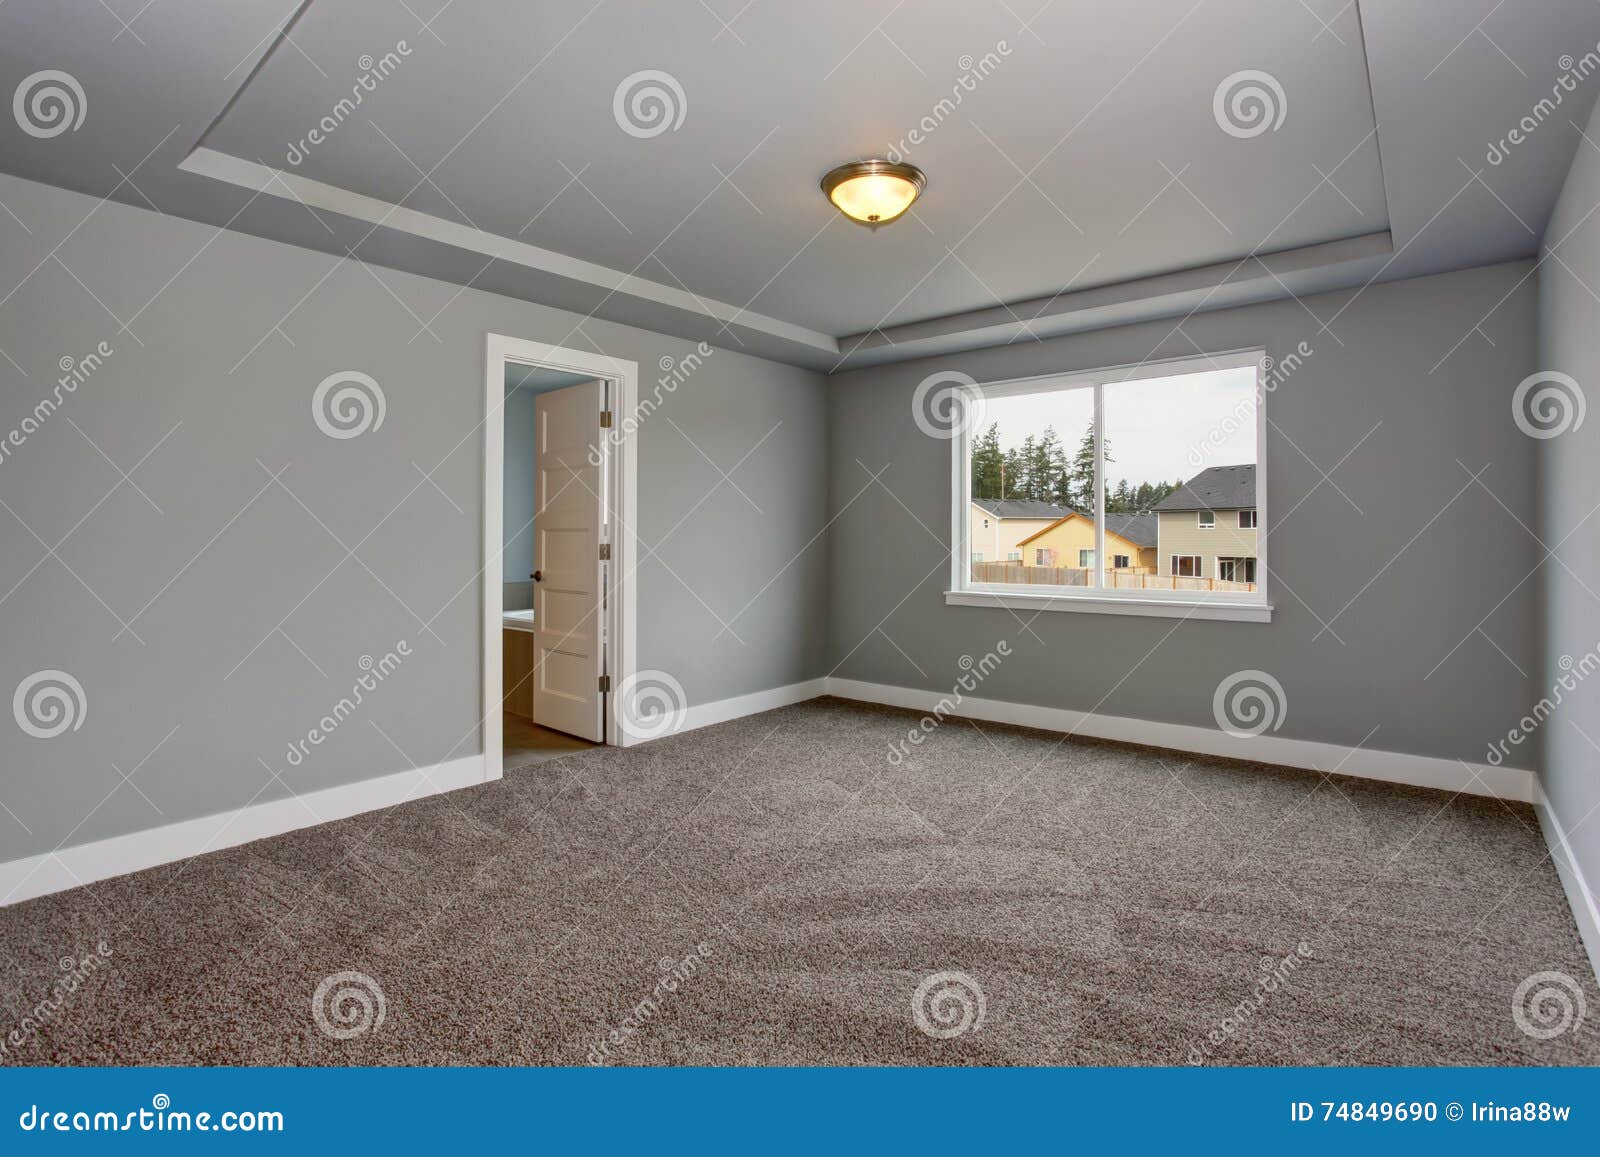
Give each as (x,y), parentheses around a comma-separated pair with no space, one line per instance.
(1207,527)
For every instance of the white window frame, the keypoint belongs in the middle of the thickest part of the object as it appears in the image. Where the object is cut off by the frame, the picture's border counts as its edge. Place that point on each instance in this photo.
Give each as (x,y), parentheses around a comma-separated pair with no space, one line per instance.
(1255,519)
(1200,519)
(1083,565)
(1100,599)
(1236,559)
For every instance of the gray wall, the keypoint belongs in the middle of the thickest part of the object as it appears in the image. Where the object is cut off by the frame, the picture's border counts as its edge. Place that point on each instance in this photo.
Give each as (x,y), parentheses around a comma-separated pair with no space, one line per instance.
(1403,583)
(1569,488)
(228,336)
(521,430)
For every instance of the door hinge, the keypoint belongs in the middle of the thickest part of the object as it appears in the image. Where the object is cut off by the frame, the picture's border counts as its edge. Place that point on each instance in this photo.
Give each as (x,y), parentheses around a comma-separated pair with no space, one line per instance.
(605,419)
(605,683)
(605,552)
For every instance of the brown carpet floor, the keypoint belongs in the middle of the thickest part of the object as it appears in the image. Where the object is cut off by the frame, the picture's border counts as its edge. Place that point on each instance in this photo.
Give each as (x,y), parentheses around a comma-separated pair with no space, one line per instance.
(1113,905)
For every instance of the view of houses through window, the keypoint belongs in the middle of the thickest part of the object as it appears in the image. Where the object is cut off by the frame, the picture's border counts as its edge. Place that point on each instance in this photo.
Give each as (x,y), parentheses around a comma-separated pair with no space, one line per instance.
(1177,487)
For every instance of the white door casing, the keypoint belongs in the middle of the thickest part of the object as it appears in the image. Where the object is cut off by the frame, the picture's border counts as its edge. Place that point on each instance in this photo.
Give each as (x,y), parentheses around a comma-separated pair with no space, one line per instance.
(568,526)
(621,470)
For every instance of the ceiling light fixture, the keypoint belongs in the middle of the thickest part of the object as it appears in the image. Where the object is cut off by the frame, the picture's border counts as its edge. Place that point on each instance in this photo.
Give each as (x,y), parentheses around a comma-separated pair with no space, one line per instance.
(873,192)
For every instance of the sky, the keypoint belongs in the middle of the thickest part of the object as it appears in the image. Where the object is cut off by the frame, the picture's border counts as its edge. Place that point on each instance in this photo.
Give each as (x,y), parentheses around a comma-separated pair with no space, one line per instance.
(1159,429)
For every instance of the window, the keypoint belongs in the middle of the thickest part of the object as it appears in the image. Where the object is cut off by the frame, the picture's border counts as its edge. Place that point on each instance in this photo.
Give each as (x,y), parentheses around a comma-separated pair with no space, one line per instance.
(977,556)
(1136,459)
(1236,570)
(1014,556)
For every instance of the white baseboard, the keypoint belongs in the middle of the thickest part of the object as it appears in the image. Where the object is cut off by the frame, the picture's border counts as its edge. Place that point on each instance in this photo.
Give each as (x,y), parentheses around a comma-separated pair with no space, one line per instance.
(72,867)
(1390,766)
(722,710)
(1580,895)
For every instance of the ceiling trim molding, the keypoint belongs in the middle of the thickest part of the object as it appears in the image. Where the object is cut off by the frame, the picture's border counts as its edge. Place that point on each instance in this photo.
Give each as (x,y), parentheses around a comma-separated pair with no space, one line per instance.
(1268,277)
(258,178)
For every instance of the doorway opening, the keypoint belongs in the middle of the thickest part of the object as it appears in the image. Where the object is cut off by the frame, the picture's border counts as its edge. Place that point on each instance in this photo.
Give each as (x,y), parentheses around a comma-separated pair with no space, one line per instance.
(559,492)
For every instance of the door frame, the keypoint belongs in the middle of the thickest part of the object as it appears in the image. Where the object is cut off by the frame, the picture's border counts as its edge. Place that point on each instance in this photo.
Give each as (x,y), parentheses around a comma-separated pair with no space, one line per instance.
(621,468)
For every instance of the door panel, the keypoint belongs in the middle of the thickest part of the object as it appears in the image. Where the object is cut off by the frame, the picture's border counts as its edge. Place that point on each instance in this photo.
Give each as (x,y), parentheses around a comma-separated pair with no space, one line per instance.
(567,524)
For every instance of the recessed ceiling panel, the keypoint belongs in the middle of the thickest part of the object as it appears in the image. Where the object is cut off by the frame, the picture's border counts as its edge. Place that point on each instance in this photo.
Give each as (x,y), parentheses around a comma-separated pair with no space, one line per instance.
(1070,144)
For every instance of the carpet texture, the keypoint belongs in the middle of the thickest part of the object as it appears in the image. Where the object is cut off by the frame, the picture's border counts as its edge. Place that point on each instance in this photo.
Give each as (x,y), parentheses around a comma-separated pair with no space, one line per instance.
(776,891)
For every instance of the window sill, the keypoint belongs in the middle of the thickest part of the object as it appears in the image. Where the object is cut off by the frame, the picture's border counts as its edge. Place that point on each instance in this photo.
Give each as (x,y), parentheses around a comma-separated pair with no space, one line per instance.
(1090,604)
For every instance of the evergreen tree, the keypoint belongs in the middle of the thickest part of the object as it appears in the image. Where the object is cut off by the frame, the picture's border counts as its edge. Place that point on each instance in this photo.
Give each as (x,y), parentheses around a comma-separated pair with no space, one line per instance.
(987,460)
(1016,462)
(1045,465)
(1078,483)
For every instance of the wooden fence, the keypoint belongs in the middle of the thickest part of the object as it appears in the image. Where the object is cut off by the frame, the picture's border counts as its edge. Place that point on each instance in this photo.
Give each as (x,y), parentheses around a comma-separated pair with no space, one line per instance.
(1136,578)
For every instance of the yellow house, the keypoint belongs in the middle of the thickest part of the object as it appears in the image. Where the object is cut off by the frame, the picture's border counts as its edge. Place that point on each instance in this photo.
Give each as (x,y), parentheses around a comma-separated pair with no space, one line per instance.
(1069,542)
(998,525)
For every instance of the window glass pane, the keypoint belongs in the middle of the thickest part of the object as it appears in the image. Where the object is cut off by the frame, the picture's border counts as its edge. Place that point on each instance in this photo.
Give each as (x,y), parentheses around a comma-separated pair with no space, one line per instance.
(1180,468)
(1032,473)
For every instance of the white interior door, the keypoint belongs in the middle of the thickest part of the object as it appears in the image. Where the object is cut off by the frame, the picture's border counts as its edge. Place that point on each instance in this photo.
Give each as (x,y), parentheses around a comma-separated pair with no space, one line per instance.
(568,521)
